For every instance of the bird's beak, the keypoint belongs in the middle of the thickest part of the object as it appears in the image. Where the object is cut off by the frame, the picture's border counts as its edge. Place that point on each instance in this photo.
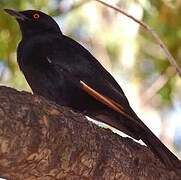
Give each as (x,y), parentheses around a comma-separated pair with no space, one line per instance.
(16,14)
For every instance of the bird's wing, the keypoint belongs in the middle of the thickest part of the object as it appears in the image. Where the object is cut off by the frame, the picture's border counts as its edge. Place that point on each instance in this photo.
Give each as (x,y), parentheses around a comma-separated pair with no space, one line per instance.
(106,100)
(87,73)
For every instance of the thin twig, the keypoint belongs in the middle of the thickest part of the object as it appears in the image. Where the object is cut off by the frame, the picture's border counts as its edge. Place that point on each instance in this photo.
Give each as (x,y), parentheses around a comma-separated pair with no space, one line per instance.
(152,32)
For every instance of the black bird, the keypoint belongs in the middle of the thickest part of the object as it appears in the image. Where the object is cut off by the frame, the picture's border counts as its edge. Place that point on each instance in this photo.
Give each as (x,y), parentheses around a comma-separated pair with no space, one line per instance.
(60,69)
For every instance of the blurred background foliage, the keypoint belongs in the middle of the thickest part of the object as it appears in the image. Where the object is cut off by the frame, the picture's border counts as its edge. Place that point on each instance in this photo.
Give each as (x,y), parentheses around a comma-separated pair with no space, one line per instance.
(126,50)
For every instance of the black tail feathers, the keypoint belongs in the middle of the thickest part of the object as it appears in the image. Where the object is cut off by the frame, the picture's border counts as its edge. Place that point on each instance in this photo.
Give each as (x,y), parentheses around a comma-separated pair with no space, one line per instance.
(159,149)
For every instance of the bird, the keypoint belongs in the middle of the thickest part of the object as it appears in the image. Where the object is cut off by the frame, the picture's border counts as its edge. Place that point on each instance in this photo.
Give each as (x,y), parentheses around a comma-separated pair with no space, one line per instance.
(62,70)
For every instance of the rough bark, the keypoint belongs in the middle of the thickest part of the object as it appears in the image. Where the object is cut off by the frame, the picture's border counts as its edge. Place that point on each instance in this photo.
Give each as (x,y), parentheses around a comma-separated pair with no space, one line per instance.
(43,141)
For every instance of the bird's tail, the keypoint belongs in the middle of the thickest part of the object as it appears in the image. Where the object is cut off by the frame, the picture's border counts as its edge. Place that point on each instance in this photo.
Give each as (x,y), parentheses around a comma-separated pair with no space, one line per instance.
(138,130)
(141,131)
(154,144)
(159,149)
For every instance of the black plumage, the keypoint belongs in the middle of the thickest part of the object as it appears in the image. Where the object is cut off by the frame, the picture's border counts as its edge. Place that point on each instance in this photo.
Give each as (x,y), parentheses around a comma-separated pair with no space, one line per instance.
(61,70)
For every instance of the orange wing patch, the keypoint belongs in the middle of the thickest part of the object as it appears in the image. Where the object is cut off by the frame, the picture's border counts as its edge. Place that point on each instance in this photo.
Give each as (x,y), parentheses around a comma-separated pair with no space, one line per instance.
(105,100)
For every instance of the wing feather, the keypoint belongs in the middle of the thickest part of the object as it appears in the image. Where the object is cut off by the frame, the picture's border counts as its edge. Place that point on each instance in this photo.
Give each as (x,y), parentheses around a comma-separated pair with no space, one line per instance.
(105,100)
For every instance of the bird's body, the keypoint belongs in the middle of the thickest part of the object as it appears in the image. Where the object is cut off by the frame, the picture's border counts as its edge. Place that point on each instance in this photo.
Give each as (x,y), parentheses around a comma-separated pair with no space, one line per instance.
(50,55)
(61,70)
(46,63)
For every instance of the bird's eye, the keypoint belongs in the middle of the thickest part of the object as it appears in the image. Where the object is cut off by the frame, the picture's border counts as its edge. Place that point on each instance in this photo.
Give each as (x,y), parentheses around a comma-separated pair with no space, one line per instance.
(36,16)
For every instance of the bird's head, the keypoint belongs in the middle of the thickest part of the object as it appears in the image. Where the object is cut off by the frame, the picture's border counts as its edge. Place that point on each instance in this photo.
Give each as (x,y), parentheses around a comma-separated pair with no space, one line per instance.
(34,22)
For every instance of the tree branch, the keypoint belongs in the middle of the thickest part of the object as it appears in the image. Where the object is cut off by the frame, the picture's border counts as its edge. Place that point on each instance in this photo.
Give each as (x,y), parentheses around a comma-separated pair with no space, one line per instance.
(40,140)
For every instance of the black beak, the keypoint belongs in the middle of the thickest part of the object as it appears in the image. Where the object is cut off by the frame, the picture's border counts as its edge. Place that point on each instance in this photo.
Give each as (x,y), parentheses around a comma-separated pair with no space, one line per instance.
(16,14)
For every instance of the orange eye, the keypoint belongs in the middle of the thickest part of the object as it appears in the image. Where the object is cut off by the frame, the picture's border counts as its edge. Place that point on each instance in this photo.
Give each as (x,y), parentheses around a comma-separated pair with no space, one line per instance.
(36,16)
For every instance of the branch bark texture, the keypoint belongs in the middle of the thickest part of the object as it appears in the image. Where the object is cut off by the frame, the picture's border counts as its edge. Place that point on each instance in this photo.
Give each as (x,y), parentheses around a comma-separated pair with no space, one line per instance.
(42,141)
